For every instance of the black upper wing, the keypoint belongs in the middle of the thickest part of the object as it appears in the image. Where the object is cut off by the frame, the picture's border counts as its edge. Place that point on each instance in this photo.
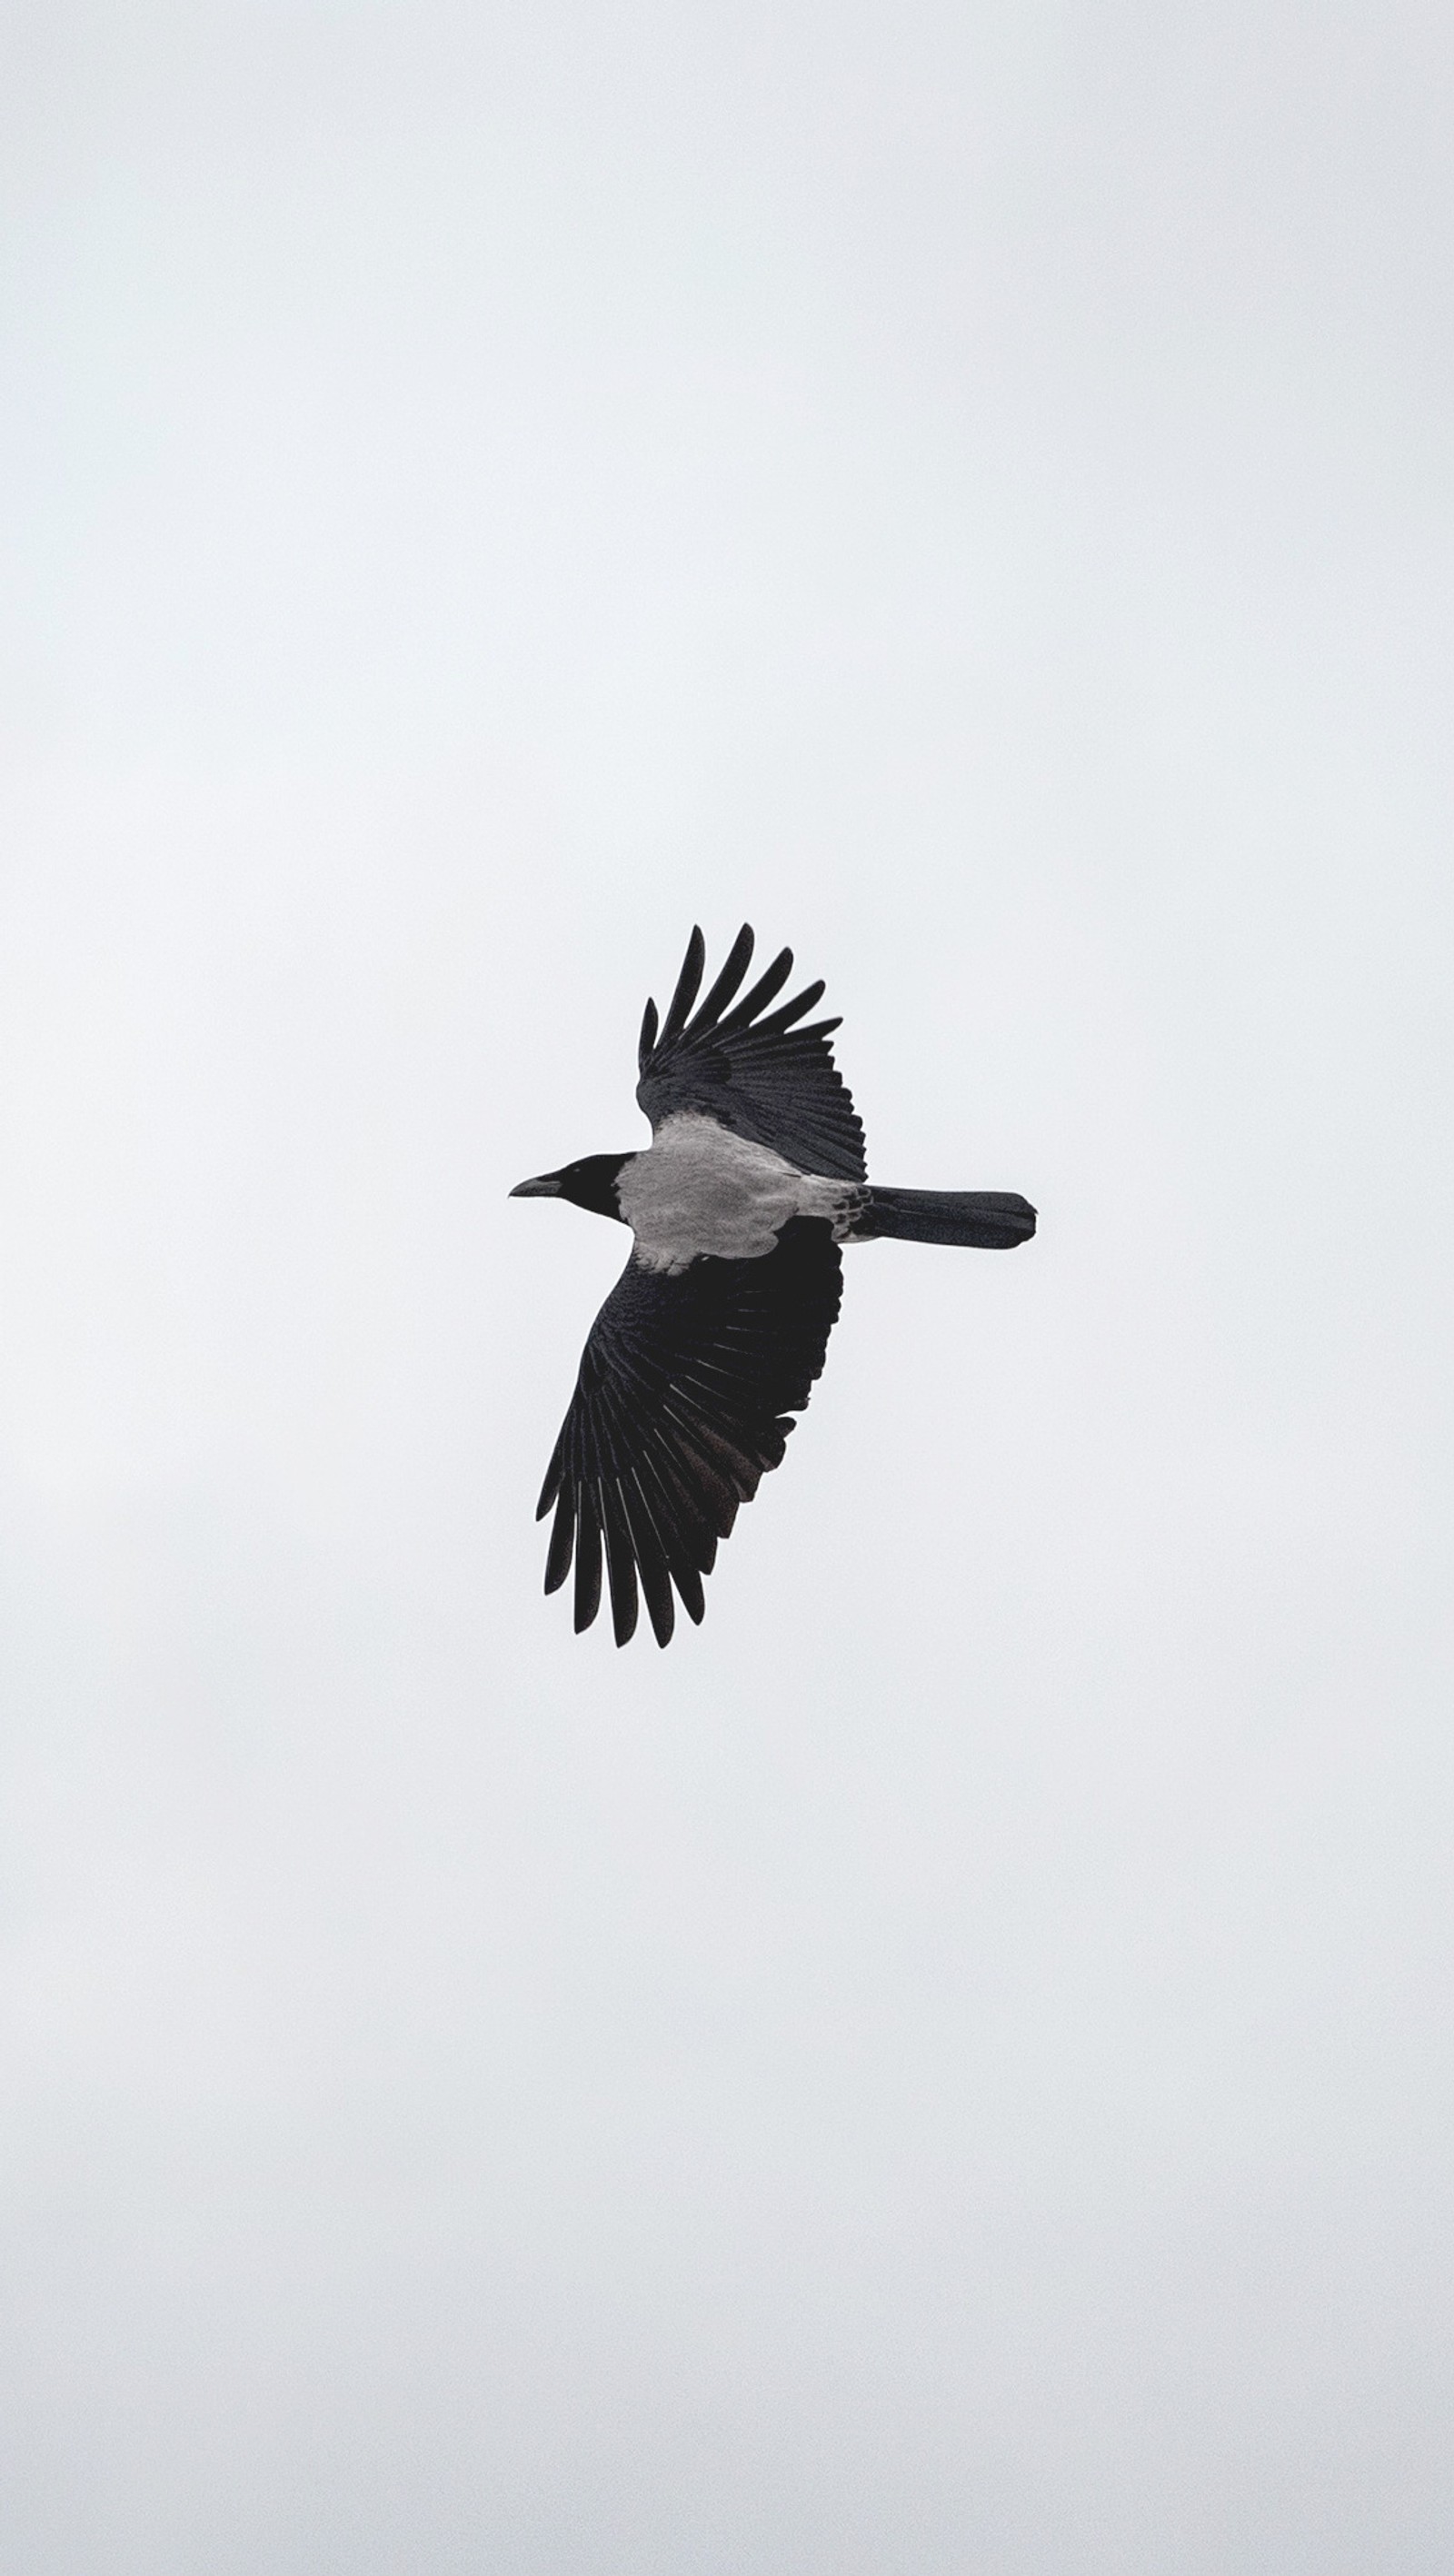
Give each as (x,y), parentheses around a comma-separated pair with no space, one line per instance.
(750,1067)
(679,1410)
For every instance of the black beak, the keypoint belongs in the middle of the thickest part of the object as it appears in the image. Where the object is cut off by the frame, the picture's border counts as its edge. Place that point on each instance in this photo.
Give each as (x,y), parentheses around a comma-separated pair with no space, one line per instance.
(546,1185)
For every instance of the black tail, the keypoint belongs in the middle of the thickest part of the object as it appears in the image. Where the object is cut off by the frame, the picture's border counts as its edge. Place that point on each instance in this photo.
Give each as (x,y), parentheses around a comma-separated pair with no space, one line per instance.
(994,1218)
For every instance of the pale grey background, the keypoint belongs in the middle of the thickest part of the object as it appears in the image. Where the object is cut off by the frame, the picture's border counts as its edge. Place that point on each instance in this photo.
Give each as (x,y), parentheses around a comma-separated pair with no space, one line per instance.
(947,2072)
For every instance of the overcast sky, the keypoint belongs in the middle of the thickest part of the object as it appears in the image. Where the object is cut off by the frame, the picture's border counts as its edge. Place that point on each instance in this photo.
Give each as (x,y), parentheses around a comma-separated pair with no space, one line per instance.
(947,2071)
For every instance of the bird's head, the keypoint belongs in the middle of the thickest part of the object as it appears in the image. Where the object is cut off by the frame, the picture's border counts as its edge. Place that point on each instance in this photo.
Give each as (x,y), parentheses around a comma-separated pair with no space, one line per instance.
(591,1183)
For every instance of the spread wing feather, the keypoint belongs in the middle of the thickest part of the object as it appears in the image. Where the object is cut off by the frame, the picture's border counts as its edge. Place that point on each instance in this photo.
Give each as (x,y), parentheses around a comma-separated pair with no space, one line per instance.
(684,1400)
(751,1068)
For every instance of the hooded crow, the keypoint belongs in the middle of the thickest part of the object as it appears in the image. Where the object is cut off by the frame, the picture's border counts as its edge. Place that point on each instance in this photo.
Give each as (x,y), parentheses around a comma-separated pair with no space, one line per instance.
(714,1333)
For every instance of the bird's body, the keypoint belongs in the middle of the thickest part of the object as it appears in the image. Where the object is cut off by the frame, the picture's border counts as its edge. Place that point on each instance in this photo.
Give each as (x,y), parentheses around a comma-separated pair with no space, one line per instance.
(718,1326)
(701,1193)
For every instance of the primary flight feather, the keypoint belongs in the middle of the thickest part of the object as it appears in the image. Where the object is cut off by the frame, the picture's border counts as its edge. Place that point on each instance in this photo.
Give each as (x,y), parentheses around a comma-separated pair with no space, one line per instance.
(713,1335)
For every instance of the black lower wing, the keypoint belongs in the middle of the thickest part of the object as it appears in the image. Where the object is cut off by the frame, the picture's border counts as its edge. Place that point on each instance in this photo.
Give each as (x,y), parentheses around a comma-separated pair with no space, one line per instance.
(681,1406)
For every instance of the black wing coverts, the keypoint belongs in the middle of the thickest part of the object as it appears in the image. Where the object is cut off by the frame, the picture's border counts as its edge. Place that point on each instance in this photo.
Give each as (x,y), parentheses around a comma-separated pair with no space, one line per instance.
(679,1410)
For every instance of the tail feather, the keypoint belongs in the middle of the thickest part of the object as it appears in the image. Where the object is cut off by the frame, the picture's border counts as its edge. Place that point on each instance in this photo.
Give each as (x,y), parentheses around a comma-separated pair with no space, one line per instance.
(995,1219)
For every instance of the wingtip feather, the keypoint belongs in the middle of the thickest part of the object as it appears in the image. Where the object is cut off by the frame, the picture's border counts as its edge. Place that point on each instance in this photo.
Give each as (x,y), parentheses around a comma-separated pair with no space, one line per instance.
(743,1012)
(588,1562)
(739,958)
(688,985)
(784,1017)
(562,1544)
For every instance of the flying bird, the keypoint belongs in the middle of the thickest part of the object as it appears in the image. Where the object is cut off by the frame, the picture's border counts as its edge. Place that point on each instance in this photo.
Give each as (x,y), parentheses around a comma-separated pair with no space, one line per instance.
(718,1325)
